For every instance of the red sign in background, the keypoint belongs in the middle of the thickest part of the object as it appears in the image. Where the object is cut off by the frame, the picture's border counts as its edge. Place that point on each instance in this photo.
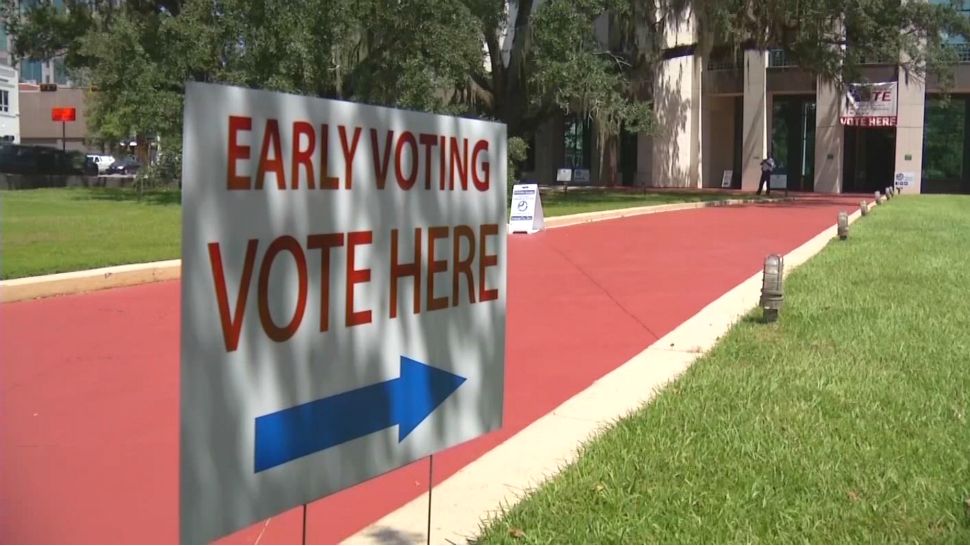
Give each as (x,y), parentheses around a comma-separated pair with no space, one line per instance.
(64,114)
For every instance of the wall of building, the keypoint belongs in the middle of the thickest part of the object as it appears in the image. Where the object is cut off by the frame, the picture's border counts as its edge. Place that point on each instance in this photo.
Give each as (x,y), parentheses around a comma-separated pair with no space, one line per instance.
(10,119)
(701,131)
(718,139)
(911,102)
(36,126)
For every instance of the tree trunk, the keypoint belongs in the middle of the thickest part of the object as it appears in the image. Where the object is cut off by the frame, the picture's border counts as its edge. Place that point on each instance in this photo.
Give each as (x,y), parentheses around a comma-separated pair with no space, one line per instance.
(608,150)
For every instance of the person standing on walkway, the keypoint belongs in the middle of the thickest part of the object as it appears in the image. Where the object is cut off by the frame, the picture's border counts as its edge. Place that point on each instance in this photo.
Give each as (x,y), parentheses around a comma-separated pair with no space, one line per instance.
(767,167)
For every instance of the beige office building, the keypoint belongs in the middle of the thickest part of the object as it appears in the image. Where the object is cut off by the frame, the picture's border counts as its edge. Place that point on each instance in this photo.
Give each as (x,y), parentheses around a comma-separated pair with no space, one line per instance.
(719,116)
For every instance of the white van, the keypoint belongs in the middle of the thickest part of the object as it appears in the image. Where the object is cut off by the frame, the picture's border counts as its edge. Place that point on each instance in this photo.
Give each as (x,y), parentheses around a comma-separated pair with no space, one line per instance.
(102,161)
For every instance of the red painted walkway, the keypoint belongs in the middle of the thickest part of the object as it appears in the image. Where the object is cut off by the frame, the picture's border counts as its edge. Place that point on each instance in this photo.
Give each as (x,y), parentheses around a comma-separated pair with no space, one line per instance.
(89,383)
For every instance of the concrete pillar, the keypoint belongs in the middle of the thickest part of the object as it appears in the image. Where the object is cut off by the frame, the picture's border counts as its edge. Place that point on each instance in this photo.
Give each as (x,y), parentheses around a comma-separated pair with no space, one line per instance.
(911,96)
(829,135)
(675,155)
(698,128)
(754,128)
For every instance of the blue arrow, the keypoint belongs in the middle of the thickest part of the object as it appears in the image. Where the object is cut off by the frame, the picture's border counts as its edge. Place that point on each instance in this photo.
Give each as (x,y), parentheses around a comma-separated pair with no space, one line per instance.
(295,432)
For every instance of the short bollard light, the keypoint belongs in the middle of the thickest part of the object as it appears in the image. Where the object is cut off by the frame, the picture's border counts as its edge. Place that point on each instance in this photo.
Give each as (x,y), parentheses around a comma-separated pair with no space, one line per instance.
(889,193)
(863,208)
(843,225)
(772,294)
(875,195)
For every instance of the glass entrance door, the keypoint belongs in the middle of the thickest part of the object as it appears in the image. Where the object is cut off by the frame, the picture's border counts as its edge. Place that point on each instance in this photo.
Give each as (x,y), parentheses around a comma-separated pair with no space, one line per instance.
(870,159)
(793,140)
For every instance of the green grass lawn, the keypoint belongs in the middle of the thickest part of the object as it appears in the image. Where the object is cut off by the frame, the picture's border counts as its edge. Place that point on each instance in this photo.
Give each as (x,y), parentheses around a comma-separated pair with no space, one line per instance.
(555,203)
(846,422)
(57,230)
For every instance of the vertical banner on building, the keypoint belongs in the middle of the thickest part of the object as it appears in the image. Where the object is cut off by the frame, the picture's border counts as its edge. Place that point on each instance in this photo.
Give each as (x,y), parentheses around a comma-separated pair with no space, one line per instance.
(343,296)
(869,105)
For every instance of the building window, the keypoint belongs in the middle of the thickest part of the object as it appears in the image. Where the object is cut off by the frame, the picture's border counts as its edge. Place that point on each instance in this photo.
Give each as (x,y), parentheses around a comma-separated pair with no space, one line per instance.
(60,72)
(4,101)
(31,71)
(576,141)
(943,143)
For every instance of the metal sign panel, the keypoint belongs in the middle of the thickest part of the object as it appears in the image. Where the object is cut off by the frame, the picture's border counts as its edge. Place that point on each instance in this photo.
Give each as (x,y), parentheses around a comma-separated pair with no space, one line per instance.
(526,214)
(63,113)
(343,296)
(905,179)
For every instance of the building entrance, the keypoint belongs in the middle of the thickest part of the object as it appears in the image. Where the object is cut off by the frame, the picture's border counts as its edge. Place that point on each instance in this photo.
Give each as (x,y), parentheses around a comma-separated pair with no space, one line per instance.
(793,140)
(628,158)
(870,159)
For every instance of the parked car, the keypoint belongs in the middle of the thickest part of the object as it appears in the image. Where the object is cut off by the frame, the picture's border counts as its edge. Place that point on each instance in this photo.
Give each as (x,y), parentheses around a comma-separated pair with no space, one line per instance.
(17,159)
(128,165)
(20,159)
(90,167)
(102,161)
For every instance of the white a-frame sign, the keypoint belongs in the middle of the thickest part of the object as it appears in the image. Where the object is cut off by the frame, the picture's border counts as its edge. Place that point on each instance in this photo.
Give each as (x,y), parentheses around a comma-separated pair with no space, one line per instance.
(525,213)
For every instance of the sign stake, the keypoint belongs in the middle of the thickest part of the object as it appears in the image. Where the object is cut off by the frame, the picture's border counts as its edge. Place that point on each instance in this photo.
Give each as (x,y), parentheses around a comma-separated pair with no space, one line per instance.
(430,484)
(304,524)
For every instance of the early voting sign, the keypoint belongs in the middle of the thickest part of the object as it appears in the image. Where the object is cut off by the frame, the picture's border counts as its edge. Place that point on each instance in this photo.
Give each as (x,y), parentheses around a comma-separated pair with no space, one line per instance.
(526,214)
(343,296)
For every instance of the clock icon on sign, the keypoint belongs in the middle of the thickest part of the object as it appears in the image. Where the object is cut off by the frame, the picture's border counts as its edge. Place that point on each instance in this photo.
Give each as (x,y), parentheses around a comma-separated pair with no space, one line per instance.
(522,206)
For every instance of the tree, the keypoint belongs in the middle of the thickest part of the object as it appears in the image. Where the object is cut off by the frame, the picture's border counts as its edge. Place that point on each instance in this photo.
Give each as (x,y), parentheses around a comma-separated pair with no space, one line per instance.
(519,61)
(834,38)
(139,55)
(556,61)
(421,54)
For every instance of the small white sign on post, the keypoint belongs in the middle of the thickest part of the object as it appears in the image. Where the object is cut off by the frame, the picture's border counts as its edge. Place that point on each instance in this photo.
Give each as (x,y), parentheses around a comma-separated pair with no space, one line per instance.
(343,297)
(581,176)
(564,175)
(525,215)
(905,179)
(778,181)
(727,178)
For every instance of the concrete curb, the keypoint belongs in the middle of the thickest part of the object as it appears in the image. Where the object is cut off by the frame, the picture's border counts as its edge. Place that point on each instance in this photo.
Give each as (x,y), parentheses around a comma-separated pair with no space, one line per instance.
(75,282)
(504,475)
(598,216)
(89,280)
